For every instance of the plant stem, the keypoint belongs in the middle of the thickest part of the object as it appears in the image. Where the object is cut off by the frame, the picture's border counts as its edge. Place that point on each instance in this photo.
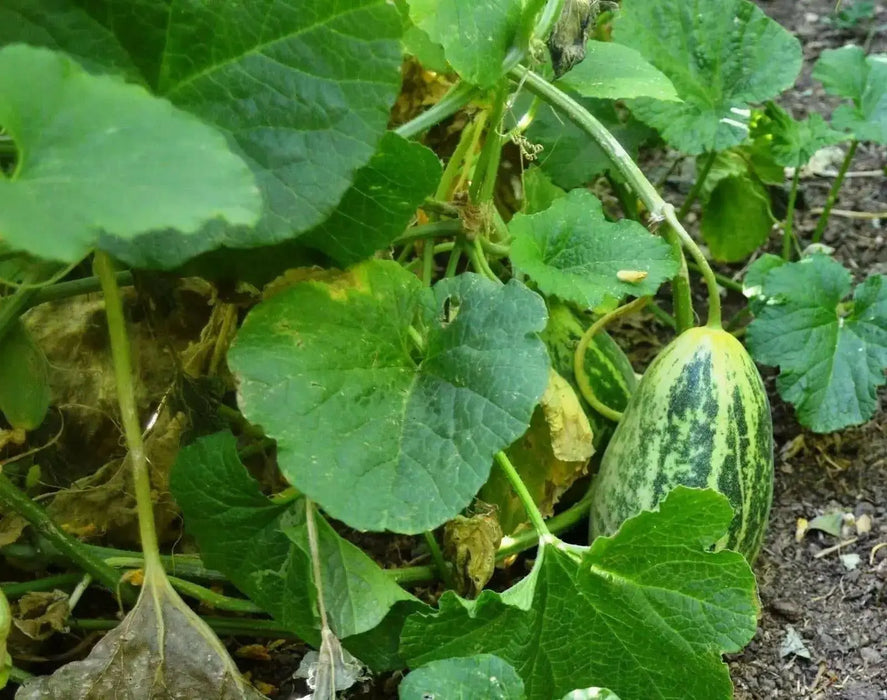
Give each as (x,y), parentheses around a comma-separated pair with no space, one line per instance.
(579,357)
(723,280)
(479,260)
(714,295)
(662,315)
(74,288)
(788,236)
(626,198)
(629,170)
(436,229)
(833,192)
(13,306)
(123,373)
(427,262)
(454,165)
(222,625)
(516,544)
(213,599)
(457,97)
(440,564)
(523,494)
(487,168)
(12,499)
(47,583)
(453,262)
(19,675)
(697,186)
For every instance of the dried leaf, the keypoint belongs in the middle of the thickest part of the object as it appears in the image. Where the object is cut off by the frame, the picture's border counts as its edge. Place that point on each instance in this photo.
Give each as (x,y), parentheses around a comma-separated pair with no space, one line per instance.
(329,670)
(549,457)
(11,527)
(471,545)
(160,650)
(40,614)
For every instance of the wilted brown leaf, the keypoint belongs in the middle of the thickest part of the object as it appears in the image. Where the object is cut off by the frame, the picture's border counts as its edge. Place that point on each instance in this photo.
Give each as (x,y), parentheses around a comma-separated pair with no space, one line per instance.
(470,544)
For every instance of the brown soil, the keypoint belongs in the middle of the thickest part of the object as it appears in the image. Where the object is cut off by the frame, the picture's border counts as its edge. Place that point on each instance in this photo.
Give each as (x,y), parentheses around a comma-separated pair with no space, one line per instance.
(839,613)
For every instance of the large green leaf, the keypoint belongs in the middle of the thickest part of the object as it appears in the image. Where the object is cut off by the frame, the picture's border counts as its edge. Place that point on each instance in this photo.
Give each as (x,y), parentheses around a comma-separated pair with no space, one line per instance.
(301,88)
(570,250)
(475,34)
(831,353)
(613,71)
(721,55)
(570,158)
(62,25)
(848,72)
(262,546)
(380,203)
(646,612)
(96,153)
(388,400)
(481,676)
(374,211)
(24,378)
(736,219)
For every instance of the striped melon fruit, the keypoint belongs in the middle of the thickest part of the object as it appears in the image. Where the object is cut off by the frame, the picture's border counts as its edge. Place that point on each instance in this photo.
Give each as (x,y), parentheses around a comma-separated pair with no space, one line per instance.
(699,417)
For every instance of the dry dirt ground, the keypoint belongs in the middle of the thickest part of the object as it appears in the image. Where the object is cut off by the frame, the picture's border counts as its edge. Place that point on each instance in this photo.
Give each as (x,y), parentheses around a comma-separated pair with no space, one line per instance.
(815,593)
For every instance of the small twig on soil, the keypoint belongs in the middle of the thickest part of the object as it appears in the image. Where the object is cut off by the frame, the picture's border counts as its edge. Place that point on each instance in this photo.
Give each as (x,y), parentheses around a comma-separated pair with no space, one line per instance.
(830,550)
(849,214)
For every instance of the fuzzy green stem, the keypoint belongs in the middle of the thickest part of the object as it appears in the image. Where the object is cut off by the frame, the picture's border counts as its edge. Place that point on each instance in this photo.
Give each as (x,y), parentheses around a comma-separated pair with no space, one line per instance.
(454,165)
(701,177)
(516,544)
(714,295)
(524,495)
(479,260)
(833,193)
(427,262)
(221,625)
(74,288)
(458,96)
(723,280)
(436,229)
(12,499)
(486,169)
(453,262)
(662,315)
(629,170)
(47,583)
(585,387)
(123,373)
(213,599)
(440,564)
(788,235)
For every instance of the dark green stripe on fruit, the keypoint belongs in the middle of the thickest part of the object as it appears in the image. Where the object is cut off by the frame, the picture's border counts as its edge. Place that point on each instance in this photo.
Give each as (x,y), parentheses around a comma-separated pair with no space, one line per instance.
(699,417)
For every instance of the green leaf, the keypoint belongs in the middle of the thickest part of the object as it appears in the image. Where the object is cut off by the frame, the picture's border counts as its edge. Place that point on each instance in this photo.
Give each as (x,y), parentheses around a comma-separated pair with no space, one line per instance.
(570,158)
(831,353)
(380,203)
(24,379)
(96,153)
(793,143)
(61,25)
(388,400)
(481,676)
(646,612)
(417,43)
(571,251)
(301,88)
(721,55)
(848,72)
(736,219)
(539,191)
(613,71)
(262,546)
(753,282)
(475,34)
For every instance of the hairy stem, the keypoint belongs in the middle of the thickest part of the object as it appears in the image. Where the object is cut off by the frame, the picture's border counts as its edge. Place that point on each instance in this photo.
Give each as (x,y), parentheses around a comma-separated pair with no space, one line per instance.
(458,96)
(524,495)
(788,234)
(833,192)
(123,373)
(701,177)
(440,564)
(521,542)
